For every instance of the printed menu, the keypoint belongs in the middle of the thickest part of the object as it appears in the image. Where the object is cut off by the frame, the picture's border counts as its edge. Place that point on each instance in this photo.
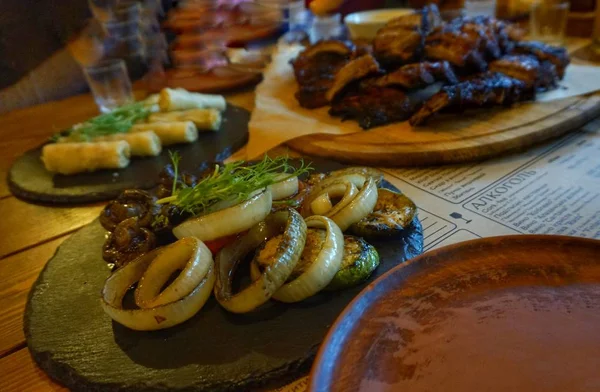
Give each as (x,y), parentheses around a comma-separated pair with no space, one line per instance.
(552,189)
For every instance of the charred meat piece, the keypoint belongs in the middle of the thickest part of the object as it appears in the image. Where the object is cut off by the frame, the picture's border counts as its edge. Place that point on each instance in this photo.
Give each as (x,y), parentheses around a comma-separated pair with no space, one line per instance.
(528,69)
(398,45)
(312,96)
(418,75)
(481,33)
(556,55)
(353,70)
(402,39)
(373,107)
(315,69)
(450,45)
(488,89)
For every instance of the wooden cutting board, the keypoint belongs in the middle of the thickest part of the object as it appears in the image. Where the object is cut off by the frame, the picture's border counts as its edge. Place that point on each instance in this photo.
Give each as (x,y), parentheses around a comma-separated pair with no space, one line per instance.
(452,138)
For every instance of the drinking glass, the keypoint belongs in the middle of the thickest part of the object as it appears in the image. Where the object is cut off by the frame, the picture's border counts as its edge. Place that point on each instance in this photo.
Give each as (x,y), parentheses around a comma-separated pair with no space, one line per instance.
(109,83)
(548,21)
(480,7)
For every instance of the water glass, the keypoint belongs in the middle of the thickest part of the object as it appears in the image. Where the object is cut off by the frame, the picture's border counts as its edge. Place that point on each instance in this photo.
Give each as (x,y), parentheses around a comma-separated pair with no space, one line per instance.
(109,82)
(325,27)
(548,21)
(480,7)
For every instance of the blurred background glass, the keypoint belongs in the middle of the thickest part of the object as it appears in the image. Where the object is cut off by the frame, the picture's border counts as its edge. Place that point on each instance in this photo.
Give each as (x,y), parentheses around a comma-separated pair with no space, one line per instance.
(548,21)
(109,84)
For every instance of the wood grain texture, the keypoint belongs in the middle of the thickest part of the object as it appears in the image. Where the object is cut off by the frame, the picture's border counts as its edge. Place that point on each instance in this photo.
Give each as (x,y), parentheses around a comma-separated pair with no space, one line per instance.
(19,373)
(473,136)
(17,274)
(24,225)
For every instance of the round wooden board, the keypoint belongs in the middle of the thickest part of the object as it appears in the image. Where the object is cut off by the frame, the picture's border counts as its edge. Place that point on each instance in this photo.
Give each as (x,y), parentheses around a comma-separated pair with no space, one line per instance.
(71,338)
(453,138)
(514,313)
(28,179)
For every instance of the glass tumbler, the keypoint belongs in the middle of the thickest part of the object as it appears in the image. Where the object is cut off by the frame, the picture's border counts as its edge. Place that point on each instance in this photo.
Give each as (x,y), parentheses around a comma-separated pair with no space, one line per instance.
(548,21)
(109,82)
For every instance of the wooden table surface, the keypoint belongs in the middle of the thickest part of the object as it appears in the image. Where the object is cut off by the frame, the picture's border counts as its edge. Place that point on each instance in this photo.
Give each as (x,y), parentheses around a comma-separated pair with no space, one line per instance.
(31,233)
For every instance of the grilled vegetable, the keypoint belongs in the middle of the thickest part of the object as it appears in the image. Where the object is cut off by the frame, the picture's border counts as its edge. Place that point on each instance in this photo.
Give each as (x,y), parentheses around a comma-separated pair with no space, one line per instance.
(359,261)
(392,213)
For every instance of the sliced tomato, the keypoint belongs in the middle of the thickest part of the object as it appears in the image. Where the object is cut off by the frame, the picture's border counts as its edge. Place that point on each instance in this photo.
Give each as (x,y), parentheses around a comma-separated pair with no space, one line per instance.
(219,243)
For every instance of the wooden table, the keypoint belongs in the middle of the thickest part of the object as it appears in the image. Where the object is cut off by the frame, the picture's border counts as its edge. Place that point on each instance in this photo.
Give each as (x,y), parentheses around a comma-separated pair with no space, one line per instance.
(31,233)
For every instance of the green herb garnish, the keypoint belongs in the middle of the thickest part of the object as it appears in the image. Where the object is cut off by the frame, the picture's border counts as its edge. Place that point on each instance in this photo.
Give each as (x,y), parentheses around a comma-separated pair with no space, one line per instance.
(233,182)
(119,120)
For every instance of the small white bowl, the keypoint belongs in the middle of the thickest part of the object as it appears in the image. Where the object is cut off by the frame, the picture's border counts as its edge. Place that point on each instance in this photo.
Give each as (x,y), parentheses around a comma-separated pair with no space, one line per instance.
(364,25)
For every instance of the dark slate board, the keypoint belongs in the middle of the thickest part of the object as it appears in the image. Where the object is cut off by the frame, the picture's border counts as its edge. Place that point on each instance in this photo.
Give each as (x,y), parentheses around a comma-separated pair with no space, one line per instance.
(29,180)
(71,338)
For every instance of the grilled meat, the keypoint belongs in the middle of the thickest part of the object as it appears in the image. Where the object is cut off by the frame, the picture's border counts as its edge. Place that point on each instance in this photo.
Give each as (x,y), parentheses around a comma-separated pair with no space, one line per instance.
(355,86)
(353,70)
(528,69)
(488,89)
(315,70)
(417,75)
(402,39)
(373,106)
(556,55)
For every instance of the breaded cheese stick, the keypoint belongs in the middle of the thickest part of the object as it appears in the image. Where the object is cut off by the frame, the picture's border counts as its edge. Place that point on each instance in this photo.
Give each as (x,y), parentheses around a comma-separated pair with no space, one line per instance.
(180,99)
(204,119)
(72,158)
(170,132)
(142,144)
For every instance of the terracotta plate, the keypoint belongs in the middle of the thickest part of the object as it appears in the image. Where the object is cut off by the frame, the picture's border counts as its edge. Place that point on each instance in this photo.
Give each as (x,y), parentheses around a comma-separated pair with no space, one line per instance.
(516,313)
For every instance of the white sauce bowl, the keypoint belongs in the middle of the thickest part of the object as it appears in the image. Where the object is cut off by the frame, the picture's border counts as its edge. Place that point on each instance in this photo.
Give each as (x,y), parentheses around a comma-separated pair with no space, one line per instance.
(364,25)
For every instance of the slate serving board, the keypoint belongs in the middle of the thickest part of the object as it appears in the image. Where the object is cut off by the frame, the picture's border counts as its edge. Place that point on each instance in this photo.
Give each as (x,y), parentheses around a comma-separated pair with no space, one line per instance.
(29,180)
(71,338)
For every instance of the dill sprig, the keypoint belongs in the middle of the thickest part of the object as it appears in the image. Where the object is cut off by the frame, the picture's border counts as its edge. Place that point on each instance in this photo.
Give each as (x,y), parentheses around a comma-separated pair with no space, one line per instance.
(119,120)
(233,182)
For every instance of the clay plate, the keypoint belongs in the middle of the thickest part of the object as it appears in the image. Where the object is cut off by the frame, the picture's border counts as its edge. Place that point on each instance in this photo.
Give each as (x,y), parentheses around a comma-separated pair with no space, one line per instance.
(516,313)
(28,178)
(71,338)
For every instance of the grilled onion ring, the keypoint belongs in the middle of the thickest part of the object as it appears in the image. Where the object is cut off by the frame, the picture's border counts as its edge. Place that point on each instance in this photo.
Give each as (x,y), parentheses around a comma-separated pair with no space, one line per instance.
(158,317)
(323,268)
(188,254)
(274,276)
(228,221)
(352,208)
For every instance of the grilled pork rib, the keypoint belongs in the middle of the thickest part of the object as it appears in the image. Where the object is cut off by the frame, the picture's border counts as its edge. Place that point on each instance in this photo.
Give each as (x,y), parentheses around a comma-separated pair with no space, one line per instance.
(315,69)
(402,39)
(556,55)
(527,68)
(373,106)
(488,89)
(353,70)
(416,75)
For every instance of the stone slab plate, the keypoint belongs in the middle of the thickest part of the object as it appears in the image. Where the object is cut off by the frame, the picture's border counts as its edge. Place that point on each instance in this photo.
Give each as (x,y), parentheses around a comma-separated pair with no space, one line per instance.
(71,338)
(29,180)
(516,313)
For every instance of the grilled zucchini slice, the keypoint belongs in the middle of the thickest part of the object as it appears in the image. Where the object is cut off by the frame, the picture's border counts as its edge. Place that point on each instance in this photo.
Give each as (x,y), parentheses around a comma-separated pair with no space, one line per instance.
(392,213)
(359,261)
